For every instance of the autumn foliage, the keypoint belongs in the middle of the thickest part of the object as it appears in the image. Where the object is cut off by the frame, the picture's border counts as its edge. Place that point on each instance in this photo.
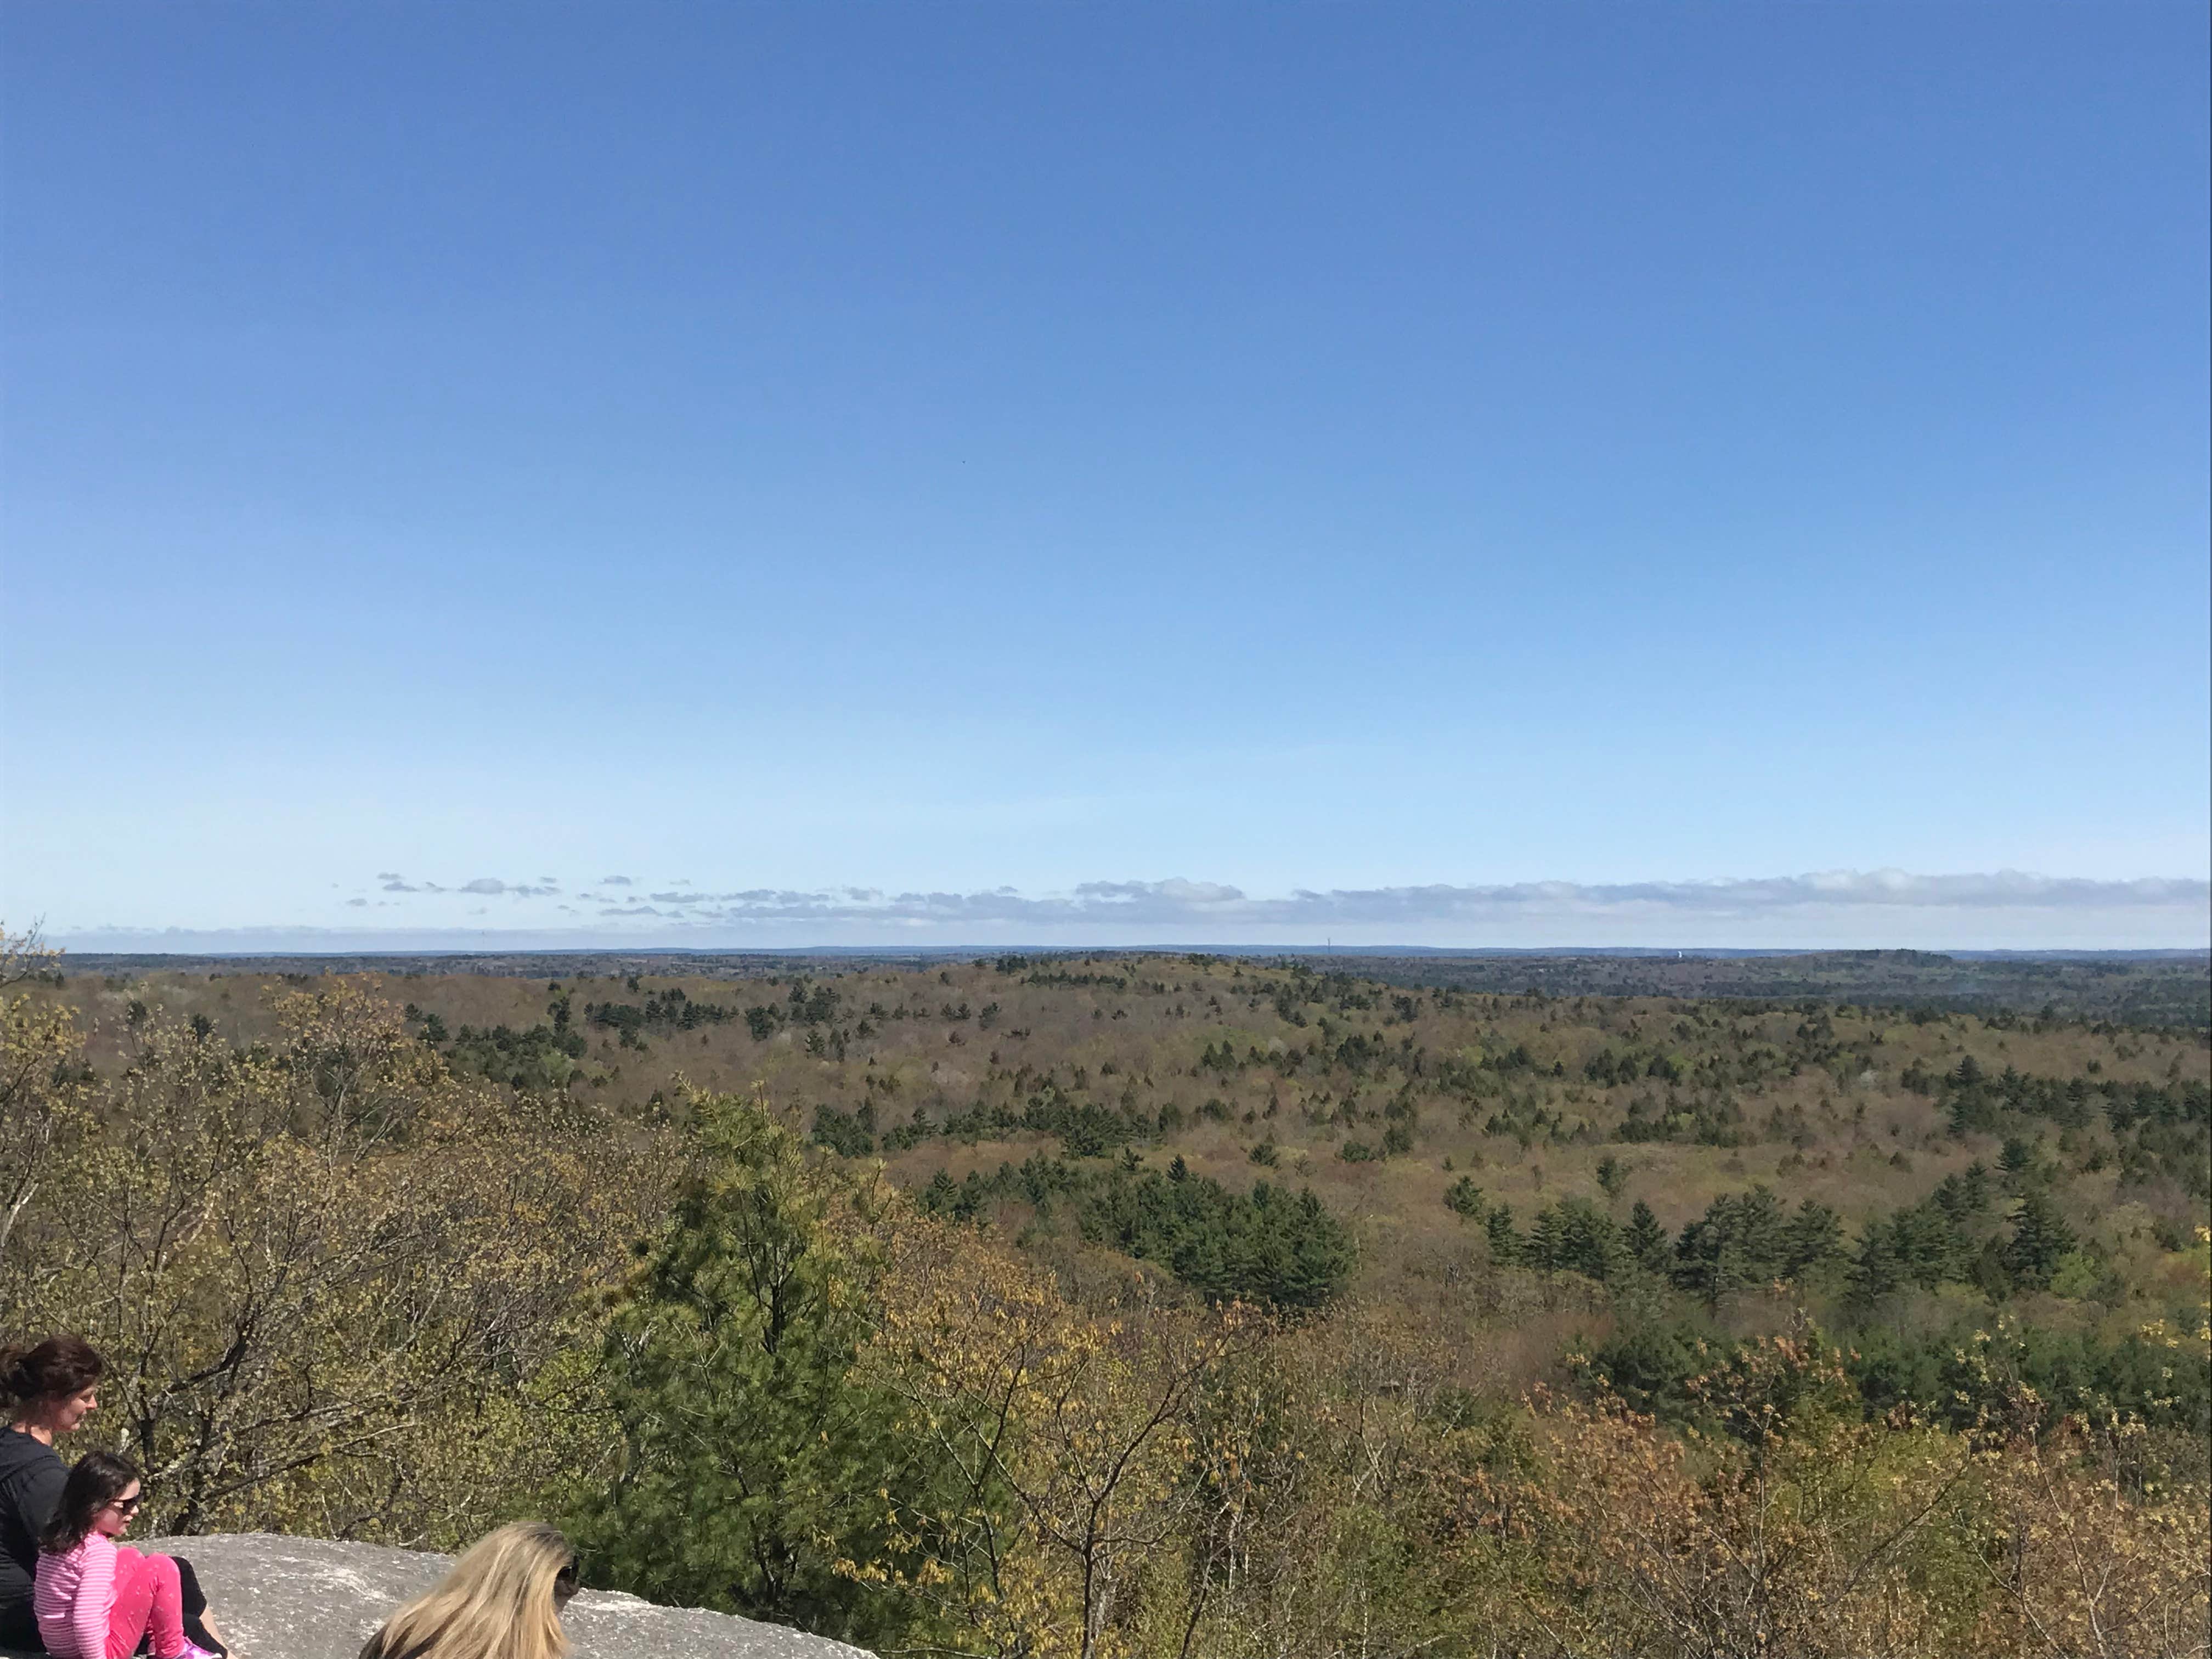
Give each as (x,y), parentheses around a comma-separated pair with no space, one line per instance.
(348,1289)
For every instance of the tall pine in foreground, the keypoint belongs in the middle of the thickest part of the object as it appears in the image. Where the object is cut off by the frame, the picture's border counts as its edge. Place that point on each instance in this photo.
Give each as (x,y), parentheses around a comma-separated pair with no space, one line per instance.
(761,1476)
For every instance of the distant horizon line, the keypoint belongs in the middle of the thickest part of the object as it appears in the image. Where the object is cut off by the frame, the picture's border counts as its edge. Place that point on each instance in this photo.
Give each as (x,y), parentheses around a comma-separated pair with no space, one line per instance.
(1836,909)
(1325,949)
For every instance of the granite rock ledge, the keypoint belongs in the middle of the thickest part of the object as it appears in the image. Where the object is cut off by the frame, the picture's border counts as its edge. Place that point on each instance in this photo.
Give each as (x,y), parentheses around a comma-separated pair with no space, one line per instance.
(310,1598)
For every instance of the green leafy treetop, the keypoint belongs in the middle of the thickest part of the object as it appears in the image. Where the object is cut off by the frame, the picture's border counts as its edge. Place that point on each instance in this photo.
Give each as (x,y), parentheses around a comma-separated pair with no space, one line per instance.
(762,1474)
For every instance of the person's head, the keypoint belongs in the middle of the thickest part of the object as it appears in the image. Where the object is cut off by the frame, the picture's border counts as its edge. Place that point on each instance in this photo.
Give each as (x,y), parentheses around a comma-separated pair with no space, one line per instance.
(501,1600)
(50,1386)
(101,1495)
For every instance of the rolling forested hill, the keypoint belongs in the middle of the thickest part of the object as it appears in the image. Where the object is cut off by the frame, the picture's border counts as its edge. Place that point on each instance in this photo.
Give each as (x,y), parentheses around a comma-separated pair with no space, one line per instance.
(1254,1304)
(2131,988)
(1067,1098)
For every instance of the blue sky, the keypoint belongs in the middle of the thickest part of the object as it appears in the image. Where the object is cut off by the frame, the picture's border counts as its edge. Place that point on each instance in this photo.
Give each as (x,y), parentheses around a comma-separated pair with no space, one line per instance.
(1122,454)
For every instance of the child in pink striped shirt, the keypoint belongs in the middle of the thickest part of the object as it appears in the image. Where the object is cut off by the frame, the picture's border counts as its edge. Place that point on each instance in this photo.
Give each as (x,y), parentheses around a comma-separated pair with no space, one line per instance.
(94,1599)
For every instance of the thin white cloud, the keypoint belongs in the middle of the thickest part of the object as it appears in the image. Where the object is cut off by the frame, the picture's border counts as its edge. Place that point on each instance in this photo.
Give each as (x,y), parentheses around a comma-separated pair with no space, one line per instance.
(481,887)
(1227,910)
(1824,909)
(1177,903)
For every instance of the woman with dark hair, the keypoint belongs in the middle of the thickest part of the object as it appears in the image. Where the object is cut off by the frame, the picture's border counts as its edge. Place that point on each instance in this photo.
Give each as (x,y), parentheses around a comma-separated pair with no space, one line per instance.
(48,1387)
(95,1598)
(47,1390)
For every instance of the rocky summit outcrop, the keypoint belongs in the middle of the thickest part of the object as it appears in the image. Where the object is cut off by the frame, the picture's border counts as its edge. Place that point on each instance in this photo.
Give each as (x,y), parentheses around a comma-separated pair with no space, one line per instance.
(308,1598)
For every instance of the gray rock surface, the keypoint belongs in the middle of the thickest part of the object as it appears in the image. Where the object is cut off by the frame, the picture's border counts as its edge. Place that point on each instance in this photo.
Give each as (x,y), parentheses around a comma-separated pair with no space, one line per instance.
(308,1598)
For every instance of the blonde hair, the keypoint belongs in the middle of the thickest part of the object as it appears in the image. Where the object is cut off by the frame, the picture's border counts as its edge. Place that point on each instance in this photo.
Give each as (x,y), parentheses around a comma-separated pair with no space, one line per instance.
(498,1602)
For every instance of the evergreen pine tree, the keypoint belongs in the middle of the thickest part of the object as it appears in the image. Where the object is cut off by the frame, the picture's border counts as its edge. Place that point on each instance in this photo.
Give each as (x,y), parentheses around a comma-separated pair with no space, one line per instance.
(1739,1241)
(1809,1238)
(941,1193)
(1646,1239)
(1464,1197)
(754,1456)
(1974,1188)
(2039,1236)
(1542,1247)
(1505,1243)
(1877,1271)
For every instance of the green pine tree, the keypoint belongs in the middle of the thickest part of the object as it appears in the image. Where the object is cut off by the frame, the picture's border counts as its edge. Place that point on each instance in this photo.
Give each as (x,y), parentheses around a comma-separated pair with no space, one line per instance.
(1646,1240)
(1877,1271)
(1505,1243)
(755,1456)
(1464,1197)
(2039,1237)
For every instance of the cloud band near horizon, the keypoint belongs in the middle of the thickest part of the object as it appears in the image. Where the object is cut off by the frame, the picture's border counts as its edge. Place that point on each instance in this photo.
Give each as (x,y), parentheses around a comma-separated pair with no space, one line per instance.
(1180,901)
(1820,908)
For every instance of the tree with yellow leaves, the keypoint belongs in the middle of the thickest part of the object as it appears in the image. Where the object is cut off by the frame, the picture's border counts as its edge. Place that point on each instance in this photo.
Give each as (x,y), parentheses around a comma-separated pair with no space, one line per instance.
(331,1281)
(42,1079)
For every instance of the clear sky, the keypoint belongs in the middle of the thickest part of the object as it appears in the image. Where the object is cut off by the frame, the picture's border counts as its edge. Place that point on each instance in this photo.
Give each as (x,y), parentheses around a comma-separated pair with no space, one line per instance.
(1160,460)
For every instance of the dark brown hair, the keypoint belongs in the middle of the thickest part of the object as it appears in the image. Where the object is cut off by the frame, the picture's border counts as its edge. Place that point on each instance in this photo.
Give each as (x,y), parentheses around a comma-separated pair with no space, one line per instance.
(53,1370)
(98,1480)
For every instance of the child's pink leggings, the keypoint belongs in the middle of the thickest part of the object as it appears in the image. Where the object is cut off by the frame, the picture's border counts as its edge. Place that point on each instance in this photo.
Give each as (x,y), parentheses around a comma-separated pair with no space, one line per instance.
(148,1597)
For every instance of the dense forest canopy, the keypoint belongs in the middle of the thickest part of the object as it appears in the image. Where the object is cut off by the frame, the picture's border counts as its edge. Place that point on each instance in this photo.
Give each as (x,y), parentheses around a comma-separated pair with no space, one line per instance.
(1156,1305)
(2132,988)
